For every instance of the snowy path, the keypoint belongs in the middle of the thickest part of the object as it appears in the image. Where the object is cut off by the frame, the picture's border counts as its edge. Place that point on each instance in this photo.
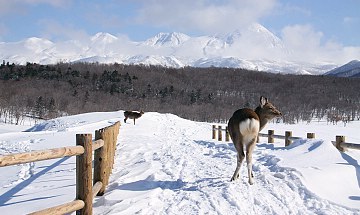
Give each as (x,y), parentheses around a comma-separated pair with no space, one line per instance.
(165,165)
(168,165)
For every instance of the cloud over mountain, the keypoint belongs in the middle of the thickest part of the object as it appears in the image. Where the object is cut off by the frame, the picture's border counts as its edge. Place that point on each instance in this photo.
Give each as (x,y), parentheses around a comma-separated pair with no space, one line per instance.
(251,47)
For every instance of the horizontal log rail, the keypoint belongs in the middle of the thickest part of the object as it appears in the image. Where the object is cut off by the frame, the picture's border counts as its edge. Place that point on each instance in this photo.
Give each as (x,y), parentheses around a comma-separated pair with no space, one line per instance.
(62,209)
(281,137)
(270,135)
(39,155)
(104,147)
(96,188)
(340,143)
(97,144)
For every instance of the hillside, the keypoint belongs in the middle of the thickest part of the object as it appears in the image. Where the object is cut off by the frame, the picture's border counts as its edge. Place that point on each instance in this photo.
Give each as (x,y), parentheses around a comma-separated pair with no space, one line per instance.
(203,94)
(168,165)
(351,70)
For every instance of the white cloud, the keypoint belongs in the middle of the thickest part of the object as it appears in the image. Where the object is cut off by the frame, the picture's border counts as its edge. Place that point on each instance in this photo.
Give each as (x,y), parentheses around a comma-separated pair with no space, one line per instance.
(54,29)
(301,36)
(308,45)
(203,15)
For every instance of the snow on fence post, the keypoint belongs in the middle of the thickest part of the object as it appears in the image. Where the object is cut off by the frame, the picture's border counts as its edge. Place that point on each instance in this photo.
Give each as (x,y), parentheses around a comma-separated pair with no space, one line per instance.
(107,138)
(84,173)
(227,135)
(214,132)
(339,140)
(310,135)
(115,135)
(288,135)
(113,145)
(100,160)
(110,149)
(219,133)
(270,136)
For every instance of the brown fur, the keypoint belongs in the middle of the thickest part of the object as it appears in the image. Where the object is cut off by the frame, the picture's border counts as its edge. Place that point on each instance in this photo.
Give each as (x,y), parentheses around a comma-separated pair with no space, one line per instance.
(262,114)
(132,115)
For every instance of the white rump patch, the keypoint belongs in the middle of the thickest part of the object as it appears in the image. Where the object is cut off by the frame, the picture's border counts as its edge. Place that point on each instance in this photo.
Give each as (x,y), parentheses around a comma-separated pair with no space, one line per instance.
(249,129)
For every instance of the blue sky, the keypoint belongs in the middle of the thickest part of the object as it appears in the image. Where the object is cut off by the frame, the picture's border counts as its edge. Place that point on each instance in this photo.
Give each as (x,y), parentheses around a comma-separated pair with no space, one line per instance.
(321,21)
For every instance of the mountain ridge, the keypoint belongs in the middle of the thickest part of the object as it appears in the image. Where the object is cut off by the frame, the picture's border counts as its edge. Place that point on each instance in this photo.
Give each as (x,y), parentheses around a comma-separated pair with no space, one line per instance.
(246,48)
(351,69)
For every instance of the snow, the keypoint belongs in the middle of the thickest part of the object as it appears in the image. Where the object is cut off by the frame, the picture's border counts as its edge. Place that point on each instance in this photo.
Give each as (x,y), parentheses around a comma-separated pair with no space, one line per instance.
(351,69)
(249,47)
(168,165)
(167,39)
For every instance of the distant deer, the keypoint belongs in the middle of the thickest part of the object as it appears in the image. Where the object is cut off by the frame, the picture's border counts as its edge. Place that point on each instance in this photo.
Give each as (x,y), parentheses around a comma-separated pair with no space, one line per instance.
(132,115)
(244,127)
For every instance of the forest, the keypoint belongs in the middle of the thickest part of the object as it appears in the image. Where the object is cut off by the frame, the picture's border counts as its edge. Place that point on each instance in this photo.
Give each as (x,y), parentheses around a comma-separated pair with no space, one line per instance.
(201,94)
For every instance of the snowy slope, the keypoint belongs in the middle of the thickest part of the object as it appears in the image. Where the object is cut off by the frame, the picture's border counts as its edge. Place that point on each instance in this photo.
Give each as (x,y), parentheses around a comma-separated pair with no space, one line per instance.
(167,39)
(351,69)
(168,165)
(249,48)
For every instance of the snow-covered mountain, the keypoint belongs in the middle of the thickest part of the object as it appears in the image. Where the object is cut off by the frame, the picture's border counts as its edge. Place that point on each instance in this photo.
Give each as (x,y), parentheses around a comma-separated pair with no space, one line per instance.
(167,39)
(254,47)
(351,69)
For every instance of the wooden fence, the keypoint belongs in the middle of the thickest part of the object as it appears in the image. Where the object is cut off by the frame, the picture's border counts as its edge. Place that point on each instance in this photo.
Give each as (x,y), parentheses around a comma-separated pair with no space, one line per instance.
(88,183)
(340,143)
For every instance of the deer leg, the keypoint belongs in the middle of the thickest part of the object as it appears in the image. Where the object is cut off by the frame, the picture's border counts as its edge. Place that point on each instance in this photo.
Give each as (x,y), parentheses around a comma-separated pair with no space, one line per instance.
(125,119)
(240,157)
(134,121)
(249,149)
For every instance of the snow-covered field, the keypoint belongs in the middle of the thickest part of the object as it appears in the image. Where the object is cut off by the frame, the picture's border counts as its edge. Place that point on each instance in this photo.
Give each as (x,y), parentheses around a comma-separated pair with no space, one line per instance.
(168,165)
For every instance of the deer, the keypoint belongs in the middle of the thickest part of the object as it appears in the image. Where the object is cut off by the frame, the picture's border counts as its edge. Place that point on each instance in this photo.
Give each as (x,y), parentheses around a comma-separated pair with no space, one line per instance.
(244,127)
(132,115)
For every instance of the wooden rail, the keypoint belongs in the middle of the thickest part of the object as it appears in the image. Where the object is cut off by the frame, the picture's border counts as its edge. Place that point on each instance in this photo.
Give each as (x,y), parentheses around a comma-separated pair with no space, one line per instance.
(87,188)
(270,135)
(340,143)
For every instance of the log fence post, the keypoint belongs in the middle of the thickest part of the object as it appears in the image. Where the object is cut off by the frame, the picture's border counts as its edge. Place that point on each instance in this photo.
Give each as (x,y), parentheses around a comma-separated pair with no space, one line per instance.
(288,134)
(104,146)
(84,173)
(100,162)
(339,140)
(113,145)
(106,137)
(310,135)
(227,134)
(214,132)
(219,133)
(270,136)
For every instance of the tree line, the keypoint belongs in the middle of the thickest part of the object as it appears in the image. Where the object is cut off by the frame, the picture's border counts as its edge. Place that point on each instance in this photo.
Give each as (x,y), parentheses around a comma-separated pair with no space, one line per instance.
(203,94)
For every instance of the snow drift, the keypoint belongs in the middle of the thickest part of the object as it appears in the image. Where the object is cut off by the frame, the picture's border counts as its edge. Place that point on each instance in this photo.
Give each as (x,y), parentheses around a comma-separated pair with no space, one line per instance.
(168,165)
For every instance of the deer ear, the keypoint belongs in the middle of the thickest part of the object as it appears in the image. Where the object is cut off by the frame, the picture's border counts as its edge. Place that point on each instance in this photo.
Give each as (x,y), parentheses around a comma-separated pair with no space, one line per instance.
(263,101)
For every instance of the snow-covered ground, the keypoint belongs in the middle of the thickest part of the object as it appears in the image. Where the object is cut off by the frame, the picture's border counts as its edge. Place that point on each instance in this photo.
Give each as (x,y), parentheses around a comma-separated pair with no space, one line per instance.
(168,165)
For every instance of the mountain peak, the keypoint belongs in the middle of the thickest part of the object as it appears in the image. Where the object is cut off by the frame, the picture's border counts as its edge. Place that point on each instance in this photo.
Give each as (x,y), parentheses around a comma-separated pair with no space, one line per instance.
(37,44)
(256,27)
(256,34)
(103,37)
(251,47)
(167,39)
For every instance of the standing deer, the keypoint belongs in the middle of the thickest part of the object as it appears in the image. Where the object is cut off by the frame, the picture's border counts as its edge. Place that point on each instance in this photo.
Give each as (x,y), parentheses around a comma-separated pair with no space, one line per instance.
(244,127)
(132,115)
